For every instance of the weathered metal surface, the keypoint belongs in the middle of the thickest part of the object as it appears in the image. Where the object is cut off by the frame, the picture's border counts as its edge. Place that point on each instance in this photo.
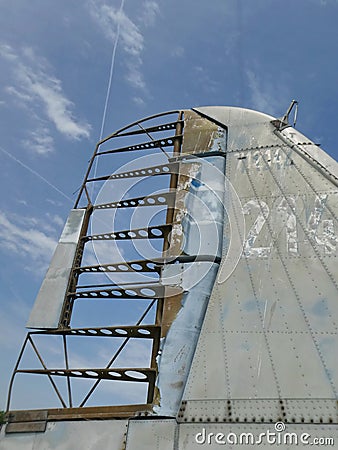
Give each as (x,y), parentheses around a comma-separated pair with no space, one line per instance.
(270,330)
(26,422)
(48,304)
(155,434)
(98,412)
(87,435)
(201,135)
(27,416)
(179,345)
(198,221)
(245,128)
(26,427)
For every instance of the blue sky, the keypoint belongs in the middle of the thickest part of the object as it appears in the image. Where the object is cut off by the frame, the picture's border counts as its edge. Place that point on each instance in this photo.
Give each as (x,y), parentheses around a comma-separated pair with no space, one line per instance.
(54,68)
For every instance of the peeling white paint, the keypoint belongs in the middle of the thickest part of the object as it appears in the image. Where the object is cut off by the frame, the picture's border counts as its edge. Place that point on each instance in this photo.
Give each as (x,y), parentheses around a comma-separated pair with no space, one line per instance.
(315,216)
(288,207)
(329,238)
(249,250)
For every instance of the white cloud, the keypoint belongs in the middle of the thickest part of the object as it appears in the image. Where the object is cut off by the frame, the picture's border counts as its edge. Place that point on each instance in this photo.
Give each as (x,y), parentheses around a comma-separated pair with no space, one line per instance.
(22,202)
(56,219)
(150,11)
(11,325)
(54,202)
(326,2)
(139,101)
(261,100)
(40,141)
(266,95)
(19,94)
(115,24)
(7,52)
(205,81)
(22,237)
(131,37)
(135,77)
(35,86)
(177,52)
(136,354)
(112,20)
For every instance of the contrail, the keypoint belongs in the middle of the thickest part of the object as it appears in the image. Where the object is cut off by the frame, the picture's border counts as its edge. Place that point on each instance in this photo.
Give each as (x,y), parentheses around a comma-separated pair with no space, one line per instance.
(112,64)
(111,72)
(36,173)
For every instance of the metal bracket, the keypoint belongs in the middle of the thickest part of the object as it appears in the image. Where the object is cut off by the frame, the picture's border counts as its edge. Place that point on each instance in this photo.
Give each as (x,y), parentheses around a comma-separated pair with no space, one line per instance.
(283,122)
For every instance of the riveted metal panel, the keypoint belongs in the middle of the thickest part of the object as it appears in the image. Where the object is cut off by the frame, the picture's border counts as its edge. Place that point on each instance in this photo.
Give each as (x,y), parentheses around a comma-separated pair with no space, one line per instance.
(270,330)
(239,410)
(318,156)
(259,410)
(154,434)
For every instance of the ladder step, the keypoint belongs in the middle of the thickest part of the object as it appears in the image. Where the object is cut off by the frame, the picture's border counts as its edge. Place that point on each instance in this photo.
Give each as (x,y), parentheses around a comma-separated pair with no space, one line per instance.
(167,198)
(162,169)
(149,145)
(154,232)
(144,375)
(131,292)
(142,265)
(140,331)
